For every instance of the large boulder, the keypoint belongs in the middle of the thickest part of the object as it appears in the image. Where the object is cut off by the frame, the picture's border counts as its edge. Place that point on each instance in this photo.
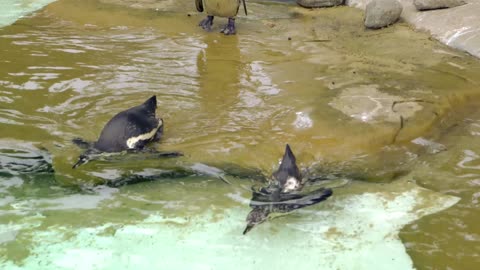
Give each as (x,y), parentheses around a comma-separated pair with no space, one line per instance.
(436,4)
(319,3)
(382,13)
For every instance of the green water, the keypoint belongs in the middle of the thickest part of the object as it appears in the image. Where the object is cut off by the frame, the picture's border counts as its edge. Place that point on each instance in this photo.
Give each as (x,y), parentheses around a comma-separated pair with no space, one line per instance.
(290,76)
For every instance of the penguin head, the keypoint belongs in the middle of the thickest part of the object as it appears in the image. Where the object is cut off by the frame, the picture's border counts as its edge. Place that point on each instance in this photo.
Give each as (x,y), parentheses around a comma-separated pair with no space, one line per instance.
(288,175)
(256,216)
(83,159)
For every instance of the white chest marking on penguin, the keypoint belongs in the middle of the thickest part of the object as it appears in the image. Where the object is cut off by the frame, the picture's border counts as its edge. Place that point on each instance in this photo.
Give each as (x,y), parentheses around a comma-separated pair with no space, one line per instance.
(131,142)
(291,184)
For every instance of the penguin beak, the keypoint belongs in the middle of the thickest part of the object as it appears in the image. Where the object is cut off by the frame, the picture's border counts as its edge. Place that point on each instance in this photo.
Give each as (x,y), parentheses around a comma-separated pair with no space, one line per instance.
(80,161)
(248,228)
(77,164)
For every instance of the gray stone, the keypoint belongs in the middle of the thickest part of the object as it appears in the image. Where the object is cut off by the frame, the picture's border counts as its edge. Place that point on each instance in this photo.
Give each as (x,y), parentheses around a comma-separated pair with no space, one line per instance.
(436,4)
(457,27)
(319,3)
(381,13)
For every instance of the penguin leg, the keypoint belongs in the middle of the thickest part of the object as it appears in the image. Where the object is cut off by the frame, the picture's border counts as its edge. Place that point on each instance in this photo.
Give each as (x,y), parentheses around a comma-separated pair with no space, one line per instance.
(207,23)
(229,29)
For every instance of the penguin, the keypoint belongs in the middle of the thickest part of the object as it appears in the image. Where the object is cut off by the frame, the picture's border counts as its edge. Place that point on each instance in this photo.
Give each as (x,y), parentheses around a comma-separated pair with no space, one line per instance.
(129,130)
(282,194)
(221,8)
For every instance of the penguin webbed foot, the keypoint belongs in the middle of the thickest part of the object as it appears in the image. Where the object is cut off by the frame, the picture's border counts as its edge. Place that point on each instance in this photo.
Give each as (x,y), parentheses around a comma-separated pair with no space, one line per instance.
(229,29)
(207,23)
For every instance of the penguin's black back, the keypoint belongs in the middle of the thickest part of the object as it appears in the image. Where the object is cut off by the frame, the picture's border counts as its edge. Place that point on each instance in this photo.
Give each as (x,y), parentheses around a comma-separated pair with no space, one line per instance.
(130,123)
(288,168)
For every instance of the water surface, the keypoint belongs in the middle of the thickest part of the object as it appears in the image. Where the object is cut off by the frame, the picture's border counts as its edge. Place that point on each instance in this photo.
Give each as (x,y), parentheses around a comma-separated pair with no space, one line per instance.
(314,79)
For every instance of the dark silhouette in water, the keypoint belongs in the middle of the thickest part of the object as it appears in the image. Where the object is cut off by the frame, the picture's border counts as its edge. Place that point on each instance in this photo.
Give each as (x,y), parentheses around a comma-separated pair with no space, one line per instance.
(282,194)
(129,130)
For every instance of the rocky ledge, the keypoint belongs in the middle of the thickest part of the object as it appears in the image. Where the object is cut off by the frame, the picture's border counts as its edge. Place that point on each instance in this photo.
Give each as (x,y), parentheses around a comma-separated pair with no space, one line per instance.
(453,22)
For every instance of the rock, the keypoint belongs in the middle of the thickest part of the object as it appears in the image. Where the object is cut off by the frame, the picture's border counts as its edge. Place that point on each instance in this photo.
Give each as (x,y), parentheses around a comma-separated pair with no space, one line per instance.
(437,4)
(456,27)
(319,3)
(381,13)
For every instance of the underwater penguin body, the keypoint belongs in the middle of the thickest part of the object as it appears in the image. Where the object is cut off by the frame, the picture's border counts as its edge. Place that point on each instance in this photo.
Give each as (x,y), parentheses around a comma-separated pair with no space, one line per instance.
(220,8)
(129,130)
(282,196)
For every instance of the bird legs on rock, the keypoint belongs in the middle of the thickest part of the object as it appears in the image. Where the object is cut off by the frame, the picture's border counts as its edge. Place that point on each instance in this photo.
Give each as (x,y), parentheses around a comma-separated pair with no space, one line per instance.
(229,29)
(207,23)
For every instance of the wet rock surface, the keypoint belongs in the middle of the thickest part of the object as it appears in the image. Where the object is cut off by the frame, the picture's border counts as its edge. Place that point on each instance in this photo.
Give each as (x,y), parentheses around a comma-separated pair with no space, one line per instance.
(458,27)
(382,13)
(437,4)
(319,3)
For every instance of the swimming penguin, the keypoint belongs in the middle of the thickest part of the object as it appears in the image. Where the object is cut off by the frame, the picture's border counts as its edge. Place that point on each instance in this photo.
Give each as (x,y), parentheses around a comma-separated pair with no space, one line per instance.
(221,8)
(282,194)
(129,130)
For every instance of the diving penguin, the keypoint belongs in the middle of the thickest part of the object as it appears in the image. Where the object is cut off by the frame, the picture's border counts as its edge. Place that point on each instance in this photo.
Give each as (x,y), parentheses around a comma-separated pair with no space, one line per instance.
(282,194)
(129,130)
(221,8)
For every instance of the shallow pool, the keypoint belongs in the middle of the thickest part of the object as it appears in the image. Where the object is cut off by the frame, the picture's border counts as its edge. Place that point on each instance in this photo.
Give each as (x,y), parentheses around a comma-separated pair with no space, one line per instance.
(391,112)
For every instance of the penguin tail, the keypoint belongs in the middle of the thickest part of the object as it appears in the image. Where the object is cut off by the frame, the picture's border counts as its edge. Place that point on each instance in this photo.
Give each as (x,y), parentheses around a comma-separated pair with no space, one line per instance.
(288,167)
(151,103)
(289,162)
(289,156)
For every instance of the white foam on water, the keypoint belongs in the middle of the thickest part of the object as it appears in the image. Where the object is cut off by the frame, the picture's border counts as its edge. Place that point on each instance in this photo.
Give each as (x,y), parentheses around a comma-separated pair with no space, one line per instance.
(356,231)
(303,120)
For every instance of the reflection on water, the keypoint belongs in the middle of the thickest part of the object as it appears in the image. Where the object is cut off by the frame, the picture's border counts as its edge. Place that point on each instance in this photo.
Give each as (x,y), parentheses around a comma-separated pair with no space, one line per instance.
(230,103)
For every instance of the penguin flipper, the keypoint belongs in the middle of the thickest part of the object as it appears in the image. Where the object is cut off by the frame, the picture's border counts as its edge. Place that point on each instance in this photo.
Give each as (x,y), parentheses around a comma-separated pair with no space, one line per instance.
(154,153)
(199,5)
(82,143)
(291,203)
